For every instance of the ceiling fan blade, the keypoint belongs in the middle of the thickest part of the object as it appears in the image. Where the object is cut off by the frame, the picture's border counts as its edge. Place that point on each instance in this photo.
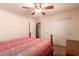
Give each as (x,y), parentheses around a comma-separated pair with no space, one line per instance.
(43,13)
(49,7)
(33,13)
(27,7)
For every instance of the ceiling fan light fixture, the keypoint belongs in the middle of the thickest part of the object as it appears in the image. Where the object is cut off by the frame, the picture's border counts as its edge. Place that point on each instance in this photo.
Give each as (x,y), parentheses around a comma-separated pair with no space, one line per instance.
(38,8)
(37,11)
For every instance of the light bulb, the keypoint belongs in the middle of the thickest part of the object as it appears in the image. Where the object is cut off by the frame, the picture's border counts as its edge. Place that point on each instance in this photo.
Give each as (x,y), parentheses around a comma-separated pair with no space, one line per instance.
(37,11)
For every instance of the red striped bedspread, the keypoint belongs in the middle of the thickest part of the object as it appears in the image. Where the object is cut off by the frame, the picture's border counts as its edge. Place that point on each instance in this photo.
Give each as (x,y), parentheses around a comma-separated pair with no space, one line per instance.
(25,47)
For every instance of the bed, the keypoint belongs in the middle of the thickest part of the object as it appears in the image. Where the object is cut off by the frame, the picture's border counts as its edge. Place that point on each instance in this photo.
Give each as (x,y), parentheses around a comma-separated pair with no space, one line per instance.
(28,46)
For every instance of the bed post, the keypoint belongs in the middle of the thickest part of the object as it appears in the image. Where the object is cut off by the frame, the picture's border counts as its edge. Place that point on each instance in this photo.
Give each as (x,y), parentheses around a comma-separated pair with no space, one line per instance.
(51,37)
(29,30)
(30,34)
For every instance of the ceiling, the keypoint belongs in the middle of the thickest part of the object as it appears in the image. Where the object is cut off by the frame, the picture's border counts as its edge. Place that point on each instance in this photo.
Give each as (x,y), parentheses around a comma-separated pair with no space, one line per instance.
(58,7)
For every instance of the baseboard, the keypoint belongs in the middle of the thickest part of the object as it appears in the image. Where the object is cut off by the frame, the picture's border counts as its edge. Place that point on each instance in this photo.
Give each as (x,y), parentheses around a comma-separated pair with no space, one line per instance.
(59,45)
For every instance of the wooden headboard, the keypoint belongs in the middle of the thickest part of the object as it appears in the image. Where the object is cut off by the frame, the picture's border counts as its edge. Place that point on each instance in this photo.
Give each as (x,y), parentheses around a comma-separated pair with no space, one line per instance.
(72,48)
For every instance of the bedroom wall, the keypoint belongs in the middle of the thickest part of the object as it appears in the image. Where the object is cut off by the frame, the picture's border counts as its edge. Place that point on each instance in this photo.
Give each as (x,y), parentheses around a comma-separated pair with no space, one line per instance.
(14,26)
(62,25)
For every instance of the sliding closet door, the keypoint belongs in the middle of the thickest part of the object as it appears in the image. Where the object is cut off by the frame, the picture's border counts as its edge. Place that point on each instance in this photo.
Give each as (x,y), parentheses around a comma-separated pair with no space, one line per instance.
(63,30)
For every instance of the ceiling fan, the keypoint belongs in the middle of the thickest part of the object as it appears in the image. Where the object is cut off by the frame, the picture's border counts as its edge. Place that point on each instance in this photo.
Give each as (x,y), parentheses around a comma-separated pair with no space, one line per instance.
(38,8)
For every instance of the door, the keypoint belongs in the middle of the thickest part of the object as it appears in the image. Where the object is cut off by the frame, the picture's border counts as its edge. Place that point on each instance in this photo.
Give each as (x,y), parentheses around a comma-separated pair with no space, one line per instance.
(38,30)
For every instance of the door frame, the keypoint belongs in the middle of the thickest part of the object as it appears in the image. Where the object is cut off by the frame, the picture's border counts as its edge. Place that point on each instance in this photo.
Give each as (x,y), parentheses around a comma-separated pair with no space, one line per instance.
(38,35)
